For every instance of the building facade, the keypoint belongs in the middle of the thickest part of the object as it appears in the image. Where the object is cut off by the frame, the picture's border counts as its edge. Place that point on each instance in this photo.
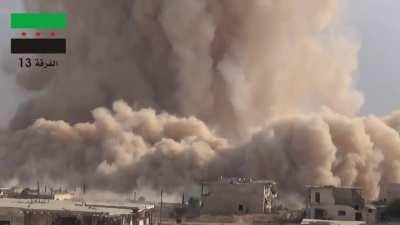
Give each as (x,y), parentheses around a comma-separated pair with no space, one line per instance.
(238,196)
(53,212)
(338,203)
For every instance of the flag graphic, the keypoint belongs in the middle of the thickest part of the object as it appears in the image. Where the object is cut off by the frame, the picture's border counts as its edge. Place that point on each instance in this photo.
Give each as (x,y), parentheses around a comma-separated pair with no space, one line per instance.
(38,21)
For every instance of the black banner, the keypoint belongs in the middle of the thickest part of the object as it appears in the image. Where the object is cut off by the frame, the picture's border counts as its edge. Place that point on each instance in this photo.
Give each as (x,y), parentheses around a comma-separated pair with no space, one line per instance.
(38,46)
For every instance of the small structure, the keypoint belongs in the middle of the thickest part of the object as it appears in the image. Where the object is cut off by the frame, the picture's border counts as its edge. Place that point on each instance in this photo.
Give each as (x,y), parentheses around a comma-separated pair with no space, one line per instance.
(238,196)
(24,193)
(336,203)
(53,212)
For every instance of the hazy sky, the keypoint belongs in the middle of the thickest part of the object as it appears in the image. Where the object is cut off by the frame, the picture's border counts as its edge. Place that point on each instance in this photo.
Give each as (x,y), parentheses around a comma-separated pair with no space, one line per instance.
(375,22)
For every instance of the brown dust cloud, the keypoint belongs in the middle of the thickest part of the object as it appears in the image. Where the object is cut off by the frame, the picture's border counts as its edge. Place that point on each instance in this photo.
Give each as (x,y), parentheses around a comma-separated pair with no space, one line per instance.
(162,93)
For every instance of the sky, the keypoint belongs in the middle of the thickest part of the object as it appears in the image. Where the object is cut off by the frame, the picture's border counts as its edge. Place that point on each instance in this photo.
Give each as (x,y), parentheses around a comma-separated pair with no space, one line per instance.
(376,23)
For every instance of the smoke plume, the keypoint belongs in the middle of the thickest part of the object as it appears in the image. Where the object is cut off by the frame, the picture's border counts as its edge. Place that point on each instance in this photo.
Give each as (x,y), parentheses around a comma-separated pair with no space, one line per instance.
(260,88)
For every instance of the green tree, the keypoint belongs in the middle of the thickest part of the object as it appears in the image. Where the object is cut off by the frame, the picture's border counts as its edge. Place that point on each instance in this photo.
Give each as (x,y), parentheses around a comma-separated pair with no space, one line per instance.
(194,202)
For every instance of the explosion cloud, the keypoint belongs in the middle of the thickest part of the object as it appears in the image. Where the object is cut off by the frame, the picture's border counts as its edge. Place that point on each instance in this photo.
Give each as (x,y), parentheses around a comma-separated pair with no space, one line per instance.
(210,88)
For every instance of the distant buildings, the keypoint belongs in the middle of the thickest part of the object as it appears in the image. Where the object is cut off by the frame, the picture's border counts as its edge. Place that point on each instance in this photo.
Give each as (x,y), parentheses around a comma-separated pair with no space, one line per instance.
(238,196)
(29,193)
(254,200)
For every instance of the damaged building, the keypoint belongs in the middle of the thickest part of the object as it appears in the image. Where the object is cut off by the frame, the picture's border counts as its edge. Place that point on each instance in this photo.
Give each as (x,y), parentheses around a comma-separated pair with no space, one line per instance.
(238,196)
(53,212)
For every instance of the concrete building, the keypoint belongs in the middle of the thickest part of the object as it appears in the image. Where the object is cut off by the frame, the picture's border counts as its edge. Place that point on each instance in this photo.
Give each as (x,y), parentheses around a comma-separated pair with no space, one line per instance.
(338,203)
(53,212)
(24,193)
(238,196)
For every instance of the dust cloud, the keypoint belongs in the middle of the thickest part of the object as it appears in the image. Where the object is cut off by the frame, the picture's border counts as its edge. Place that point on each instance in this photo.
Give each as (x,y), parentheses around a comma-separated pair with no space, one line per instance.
(209,88)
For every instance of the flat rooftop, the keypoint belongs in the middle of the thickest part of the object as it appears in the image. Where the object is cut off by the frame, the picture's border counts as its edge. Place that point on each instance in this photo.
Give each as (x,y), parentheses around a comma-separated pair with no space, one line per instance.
(331,186)
(331,222)
(239,180)
(59,206)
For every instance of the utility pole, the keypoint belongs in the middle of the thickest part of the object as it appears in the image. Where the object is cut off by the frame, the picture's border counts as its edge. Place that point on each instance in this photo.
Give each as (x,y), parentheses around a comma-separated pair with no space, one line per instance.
(38,191)
(161,205)
(183,200)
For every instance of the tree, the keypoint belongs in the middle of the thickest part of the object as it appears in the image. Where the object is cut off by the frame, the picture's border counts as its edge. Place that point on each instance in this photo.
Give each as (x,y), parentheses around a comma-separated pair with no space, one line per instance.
(141,199)
(193,202)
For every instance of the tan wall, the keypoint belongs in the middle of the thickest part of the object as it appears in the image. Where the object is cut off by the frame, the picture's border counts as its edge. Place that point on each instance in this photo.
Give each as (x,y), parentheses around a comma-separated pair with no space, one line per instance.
(326,196)
(332,212)
(12,215)
(225,198)
(39,219)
